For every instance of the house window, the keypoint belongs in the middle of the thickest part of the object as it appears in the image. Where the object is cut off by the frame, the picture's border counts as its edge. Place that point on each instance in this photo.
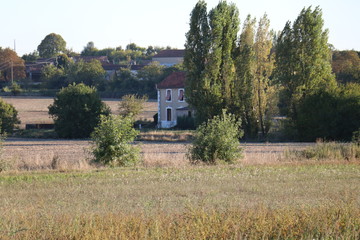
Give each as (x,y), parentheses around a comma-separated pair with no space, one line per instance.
(168,95)
(168,114)
(181,95)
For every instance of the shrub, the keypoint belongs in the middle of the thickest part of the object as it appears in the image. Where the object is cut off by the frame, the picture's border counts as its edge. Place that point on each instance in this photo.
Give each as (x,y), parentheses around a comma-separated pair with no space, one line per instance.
(132,104)
(327,151)
(76,111)
(330,115)
(356,137)
(217,140)
(185,123)
(8,117)
(111,141)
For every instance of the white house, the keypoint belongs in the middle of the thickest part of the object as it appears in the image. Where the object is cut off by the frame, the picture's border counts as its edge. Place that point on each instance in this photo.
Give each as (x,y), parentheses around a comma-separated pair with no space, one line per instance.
(169,57)
(171,100)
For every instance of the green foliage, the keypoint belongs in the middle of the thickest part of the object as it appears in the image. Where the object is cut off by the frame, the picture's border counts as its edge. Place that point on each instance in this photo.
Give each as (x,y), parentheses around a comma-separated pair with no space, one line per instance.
(330,115)
(217,140)
(346,66)
(63,61)
(76,111)
(53,77)
(303,59)
(112,140)
(31,57)
(244,87)
(8,117)
(51,45)
(327,151)
(185,122)
(131,105)
(90,73)
(356,137)
(225,74)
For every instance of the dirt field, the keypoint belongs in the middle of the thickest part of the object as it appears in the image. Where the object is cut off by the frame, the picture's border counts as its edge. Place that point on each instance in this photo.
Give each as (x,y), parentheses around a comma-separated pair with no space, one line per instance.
(33,110)
(30,154)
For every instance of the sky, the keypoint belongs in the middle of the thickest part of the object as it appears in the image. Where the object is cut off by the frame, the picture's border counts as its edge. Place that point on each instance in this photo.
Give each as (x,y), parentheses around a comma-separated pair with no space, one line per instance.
(112,23)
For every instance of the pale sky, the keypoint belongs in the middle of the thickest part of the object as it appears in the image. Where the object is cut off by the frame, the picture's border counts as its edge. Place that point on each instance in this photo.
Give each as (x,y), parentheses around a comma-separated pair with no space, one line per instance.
(112,23)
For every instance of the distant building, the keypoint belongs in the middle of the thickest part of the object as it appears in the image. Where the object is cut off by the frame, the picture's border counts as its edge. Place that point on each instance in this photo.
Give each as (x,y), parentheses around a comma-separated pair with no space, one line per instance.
(171,100)
(169,58)
(101,59)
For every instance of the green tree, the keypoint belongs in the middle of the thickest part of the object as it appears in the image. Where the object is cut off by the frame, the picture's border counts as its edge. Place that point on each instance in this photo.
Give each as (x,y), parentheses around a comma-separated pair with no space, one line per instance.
(8,117)
(63,61)
(196,56)
(89,50)
(303,59)
(11,66)
(209,58)
(346,66)
(51,46)
(264,62)
(90,73)
(330,115)
(244,88)
(111,141)
(217,140)
(220,69)
(31,57)
(76,111)
(131,105)
(53,77)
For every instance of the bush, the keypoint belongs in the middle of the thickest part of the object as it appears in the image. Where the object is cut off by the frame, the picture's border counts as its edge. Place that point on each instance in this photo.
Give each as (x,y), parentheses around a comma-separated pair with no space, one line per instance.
(76,111)
(356,137)
(112,138)
(132,104)
(217,140)
(185,123)
(330,115)
(323,151)
(8,117)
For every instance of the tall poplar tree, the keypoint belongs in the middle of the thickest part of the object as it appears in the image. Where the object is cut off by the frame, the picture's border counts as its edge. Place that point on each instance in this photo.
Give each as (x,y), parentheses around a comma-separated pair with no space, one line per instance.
(209,58)
(196,57)
(264,62)
(244,89)
(303,59)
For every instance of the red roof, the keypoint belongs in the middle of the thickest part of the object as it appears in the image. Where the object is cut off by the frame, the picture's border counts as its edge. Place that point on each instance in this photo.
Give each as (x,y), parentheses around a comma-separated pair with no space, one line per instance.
(174,80)
(170,53)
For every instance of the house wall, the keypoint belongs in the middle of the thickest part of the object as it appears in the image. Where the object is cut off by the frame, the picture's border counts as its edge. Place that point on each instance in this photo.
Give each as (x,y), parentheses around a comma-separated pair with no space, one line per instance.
(173,105)
(168,61)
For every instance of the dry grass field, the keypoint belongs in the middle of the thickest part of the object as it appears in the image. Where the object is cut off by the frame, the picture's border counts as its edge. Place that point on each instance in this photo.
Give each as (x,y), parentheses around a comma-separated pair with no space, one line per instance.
(32,154)
(50,191)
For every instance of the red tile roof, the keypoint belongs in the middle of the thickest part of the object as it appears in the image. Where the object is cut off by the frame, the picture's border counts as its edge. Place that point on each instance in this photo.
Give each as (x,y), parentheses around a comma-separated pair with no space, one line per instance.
(174,80)
(170,53)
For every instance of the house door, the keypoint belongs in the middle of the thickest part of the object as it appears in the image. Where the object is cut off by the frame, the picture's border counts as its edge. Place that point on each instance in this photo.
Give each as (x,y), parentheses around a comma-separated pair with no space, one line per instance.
(168,114)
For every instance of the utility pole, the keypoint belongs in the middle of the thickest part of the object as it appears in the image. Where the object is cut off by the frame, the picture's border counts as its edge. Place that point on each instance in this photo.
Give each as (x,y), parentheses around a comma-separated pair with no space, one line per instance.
(12,73)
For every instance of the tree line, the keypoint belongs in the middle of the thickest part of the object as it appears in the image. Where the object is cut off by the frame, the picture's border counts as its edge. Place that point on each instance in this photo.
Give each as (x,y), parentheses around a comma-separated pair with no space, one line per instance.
(259,74)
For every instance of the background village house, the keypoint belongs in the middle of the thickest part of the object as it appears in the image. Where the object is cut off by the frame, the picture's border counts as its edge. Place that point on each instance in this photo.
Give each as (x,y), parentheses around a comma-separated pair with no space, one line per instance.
(171,100)
(169,57)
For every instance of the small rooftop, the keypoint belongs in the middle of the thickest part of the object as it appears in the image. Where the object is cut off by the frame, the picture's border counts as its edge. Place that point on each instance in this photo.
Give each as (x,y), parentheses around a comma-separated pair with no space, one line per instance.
(170,53)
(174,80)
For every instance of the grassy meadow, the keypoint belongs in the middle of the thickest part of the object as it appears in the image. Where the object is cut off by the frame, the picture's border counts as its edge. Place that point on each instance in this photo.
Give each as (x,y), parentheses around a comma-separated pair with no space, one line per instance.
(48,190)
(228,202)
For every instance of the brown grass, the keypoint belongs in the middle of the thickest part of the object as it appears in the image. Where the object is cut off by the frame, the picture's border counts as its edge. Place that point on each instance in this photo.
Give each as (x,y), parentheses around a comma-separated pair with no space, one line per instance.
(220,202)
(32,154)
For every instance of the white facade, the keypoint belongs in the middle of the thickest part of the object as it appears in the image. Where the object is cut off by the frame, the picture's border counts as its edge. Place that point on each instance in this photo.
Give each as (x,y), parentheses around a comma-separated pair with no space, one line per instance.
(170,106)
